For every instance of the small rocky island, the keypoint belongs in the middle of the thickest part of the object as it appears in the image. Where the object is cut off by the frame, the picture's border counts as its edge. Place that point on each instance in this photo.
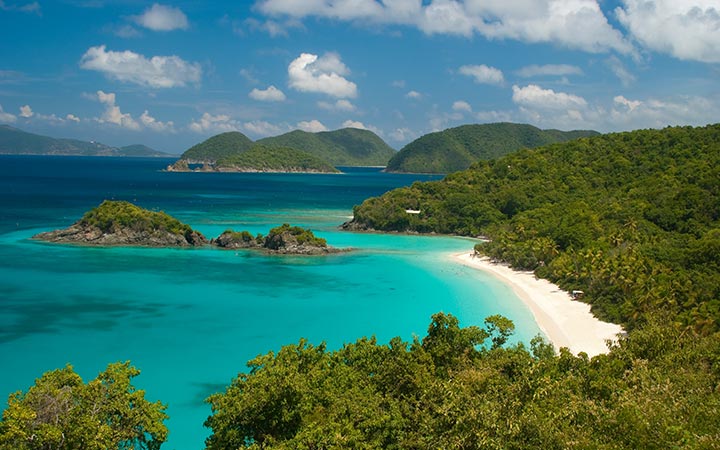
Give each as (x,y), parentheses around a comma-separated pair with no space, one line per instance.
(285,240)
(120,223)
(262,159)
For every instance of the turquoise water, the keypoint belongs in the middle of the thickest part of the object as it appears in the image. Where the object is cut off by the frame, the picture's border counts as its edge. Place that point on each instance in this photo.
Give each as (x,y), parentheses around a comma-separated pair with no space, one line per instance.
(190,319)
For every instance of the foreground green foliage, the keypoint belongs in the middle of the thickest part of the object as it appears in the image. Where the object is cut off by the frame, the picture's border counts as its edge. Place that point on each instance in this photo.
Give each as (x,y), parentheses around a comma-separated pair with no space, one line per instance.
(344,147)
(217,147)
(274,159)
(61,412)
(114,215)
(630,218)
(456,148)
(656,390)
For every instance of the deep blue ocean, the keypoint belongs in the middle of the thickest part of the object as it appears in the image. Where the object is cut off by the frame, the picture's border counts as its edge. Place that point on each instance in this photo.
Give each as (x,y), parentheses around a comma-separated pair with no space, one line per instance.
(190,319)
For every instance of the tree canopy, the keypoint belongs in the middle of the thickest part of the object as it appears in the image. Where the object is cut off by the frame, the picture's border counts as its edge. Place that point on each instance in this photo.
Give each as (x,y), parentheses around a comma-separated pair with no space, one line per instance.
(61,412)
(657,389)
(111,215)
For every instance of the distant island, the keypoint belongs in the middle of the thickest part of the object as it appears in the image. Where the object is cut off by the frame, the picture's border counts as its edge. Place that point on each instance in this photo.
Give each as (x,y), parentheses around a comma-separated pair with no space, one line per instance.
(14,141)
(297,151)
(300,151)
(258,158)
(457,148)
(120,223)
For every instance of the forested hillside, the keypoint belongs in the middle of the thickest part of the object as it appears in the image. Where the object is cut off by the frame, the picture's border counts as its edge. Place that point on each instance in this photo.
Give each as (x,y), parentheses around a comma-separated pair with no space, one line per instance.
(630,218)
(456,148)
(217,147)
(344,147)
(274,159)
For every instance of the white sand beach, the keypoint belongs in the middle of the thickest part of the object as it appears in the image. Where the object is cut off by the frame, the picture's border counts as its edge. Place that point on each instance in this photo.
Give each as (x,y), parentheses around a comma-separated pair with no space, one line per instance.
(565,322)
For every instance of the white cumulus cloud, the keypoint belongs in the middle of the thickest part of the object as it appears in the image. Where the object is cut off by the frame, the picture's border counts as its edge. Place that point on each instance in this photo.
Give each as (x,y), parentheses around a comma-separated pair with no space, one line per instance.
(483,74)
(209,123)
(415,95)
(26,111)
(461,105)
(536,97)
(549,70)
(312,126)
(354,124)
(687,29)
(162,18)
(112,113)
(72,118)
(152,123)
(575,24)
(629,104)
(325,75)
(271,94)
(127,66)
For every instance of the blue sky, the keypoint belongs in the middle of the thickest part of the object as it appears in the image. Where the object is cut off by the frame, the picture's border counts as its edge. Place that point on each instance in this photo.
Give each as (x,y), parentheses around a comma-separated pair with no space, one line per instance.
(171,74)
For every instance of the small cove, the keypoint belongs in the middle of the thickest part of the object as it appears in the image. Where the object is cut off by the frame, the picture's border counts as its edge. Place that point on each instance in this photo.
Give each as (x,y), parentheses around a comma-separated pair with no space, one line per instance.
(190,319)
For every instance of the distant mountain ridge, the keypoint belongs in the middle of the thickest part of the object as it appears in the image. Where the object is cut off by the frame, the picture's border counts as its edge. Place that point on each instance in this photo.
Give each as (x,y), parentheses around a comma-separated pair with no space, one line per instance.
(14,141)
(457,148)
(343,147)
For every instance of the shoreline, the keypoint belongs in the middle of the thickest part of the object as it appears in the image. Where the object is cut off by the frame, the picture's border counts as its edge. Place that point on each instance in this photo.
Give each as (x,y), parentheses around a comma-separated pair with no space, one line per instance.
(564,321)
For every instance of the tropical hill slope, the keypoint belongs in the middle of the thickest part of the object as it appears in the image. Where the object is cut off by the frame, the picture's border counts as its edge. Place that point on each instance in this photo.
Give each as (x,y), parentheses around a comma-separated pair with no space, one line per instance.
(217,147)
(632,219)
(260,158)
(344,147)
(456,148)
(14,141)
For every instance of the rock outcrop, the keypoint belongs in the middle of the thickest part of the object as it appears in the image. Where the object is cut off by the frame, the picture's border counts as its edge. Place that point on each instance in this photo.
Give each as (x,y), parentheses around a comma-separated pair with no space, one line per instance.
(284,240)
